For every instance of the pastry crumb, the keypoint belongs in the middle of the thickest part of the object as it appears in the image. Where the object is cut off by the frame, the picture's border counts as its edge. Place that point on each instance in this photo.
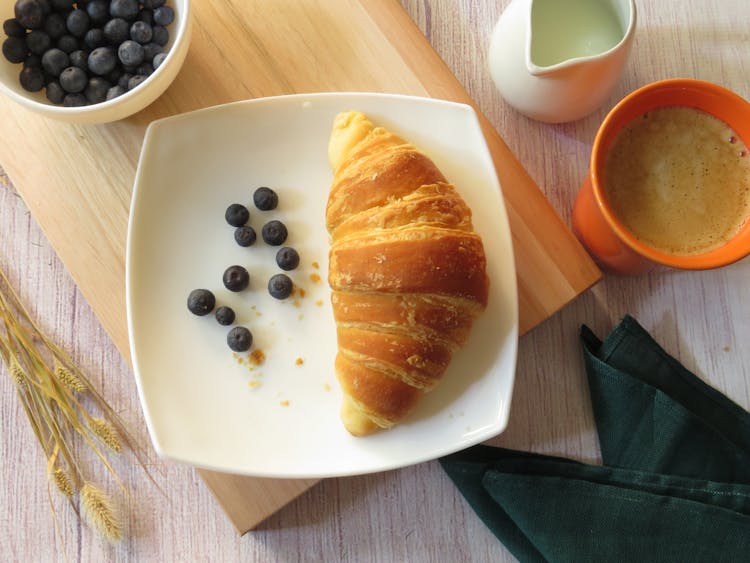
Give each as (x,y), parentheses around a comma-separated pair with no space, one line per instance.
(284,403)
(254,384)
(299,362)
(315,265)
(315,278)
(319,302)
(257,357)
(327,387)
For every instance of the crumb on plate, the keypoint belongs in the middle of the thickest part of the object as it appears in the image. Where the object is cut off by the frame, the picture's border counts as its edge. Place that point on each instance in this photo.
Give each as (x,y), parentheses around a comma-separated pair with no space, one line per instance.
(257,357)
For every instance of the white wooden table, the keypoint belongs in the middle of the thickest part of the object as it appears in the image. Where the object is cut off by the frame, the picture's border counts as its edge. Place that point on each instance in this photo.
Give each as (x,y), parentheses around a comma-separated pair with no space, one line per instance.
(413,514)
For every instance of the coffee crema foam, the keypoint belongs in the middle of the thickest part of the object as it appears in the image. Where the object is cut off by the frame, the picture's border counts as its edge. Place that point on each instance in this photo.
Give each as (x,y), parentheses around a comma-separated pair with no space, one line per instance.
(678,179)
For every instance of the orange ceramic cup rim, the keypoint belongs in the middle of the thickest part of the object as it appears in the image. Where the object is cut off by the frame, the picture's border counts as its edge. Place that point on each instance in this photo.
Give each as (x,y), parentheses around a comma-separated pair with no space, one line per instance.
(707,96)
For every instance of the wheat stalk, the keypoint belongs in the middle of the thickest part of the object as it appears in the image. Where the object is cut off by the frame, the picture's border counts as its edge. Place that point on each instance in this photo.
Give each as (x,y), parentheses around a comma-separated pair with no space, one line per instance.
(103,430)
(63,482)
(68,378)
(52,390)
(100,512)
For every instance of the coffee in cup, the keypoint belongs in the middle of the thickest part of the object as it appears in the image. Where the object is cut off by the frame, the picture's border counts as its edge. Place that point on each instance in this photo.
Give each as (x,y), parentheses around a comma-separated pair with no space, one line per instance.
(669,180)
(678,179)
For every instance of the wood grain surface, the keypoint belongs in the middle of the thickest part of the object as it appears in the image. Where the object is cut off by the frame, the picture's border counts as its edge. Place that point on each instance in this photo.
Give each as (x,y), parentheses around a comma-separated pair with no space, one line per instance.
(413,514)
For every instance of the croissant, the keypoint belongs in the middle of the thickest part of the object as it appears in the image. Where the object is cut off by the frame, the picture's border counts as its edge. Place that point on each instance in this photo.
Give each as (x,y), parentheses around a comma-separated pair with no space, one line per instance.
(406,271)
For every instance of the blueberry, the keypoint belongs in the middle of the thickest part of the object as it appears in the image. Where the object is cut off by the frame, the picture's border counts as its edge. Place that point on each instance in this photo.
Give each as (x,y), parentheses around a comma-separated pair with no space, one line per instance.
(150,50)
(146,16)
(141,32)
(62,5)
(145,69)
(236,278)
(274,233)
(130,53)
(135,80)
(245,235)
(163,15)
(225,315)
(152,4)
(265,199)
(116,31)
(55,26)
(32,60)
(74,100)
(161,35)
(94,38)
(124,79)
(287,258)
(79,58)
(102,60)
(280,286)
(96,89)
(98,11)
(113,77)
(125,9)
(73,80)
(68,43)
(158,59)
(201,302)
(32,79)
(78,22)
(55,93)
(240,339)
(236,215)
(15,49)
(12,28)
(29,13)
(115,91)
(54,61)
(38,41)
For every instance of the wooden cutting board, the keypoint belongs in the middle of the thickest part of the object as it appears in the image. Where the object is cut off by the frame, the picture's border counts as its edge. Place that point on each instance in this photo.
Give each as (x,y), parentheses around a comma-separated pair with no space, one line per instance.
(77,180)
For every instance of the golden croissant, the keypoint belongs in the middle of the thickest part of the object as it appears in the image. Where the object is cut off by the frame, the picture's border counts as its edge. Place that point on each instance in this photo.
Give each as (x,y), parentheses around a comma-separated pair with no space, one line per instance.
(407,272)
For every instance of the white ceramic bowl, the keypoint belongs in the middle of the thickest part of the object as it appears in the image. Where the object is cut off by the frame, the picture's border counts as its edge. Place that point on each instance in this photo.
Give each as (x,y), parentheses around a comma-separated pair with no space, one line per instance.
(127,104)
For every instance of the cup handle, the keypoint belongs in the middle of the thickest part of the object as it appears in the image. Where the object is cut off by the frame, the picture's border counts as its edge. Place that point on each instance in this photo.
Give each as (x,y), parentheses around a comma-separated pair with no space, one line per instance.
(600,240)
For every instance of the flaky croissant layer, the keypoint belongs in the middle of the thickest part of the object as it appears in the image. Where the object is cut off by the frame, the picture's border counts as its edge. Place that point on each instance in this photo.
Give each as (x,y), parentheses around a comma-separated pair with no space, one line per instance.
(407,272)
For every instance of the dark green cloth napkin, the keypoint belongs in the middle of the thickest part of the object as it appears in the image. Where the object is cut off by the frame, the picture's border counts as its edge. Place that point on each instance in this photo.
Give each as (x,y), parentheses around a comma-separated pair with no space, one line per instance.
(675,479)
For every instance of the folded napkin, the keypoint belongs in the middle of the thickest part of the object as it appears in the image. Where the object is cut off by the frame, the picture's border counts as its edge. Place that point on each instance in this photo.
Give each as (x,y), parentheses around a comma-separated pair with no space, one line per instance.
(675,480)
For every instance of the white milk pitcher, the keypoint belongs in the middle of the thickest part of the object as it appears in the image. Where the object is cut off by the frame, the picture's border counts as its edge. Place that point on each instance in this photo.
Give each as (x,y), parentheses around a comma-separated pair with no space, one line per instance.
(559,60)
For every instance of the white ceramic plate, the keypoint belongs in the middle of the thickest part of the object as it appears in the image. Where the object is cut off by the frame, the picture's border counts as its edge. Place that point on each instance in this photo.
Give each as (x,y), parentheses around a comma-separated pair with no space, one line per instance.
(205,405)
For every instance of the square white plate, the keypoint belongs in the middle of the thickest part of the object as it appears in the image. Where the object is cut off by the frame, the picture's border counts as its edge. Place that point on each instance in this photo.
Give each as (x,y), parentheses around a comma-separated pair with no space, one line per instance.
(212,408)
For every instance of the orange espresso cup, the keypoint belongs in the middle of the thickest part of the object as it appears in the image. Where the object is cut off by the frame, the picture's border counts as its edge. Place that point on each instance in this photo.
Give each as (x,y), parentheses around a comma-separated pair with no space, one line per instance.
(609,242)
